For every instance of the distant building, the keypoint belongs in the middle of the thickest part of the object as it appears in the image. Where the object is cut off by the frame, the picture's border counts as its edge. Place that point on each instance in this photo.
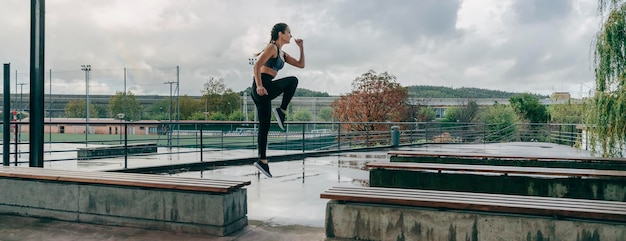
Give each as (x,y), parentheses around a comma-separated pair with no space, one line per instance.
(561,96)
(97,126)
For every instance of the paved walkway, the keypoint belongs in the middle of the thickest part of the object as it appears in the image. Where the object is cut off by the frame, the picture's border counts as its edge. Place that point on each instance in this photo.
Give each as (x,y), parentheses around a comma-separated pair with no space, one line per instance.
(13,228)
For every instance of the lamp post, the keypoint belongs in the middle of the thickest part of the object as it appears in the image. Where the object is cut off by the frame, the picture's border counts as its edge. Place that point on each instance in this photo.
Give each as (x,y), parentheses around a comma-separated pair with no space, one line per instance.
(20,113)
(87,69)
(21,91)
(169,125)
(121,117)
(251,61)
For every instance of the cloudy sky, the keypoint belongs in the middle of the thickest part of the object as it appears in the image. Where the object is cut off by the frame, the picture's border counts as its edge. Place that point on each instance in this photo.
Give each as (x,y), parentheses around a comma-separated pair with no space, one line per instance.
(535,46)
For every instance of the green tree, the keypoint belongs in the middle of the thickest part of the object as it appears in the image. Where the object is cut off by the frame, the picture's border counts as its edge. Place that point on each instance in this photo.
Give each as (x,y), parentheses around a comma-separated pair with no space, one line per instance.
(425,114)
(566,113)
(236,116)
(326,114)
(302,114)
(219,116)
(189,106)
(500,122)
(126,104)
(606,113)
(77,109)
(217,98)
(197,116)
(230,102)
(452,114)
(158,110)
(101,110)
(464,113)
(528,107)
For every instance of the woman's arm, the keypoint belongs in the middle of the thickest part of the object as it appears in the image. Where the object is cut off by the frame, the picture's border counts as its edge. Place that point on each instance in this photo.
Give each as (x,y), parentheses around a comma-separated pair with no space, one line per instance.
(300,62)
(269,52)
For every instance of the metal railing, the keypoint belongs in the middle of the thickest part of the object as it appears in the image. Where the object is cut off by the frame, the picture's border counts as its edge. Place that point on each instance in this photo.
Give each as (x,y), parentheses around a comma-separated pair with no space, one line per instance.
(201,136)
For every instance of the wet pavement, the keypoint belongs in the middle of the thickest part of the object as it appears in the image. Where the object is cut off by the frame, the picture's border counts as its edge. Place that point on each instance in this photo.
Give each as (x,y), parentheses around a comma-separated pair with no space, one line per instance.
(13,228)
(286,207)
(291,197)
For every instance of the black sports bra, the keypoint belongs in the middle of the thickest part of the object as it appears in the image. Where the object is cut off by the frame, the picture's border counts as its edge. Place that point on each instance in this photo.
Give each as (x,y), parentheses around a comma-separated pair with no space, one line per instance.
(275,63)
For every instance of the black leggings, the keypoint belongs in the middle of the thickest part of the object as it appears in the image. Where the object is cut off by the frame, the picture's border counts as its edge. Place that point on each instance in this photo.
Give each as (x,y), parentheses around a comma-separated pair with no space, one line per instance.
(286,86)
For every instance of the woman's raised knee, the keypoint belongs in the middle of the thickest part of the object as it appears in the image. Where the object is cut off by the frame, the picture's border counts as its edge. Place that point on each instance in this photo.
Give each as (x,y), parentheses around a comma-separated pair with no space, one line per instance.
(294,80)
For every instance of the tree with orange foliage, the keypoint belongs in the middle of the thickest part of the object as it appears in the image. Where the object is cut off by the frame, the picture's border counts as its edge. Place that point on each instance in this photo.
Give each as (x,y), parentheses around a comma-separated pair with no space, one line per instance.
(374,98)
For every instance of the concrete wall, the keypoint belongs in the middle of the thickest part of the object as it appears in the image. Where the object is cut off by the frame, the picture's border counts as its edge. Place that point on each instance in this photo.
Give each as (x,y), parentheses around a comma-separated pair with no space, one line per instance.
(183,211)
(610,189)
(388,222)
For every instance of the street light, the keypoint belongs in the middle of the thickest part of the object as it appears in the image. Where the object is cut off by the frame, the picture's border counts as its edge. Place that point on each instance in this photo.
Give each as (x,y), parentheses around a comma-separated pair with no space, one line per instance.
(21,91)
(169,125)
(121,117)
(20,113)
(87,69)
(251,61)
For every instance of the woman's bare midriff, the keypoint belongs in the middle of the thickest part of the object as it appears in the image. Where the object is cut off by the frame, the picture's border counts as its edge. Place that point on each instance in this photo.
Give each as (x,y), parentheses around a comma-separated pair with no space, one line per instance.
(268,70)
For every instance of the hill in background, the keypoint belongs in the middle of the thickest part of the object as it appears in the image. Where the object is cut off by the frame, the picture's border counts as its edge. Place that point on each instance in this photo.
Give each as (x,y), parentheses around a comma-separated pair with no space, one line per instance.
(300,92)
(426,91)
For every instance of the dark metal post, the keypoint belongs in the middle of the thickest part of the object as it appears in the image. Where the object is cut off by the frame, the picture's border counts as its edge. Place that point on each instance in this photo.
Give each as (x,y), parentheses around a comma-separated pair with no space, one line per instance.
(339,137)
(367,135)
(125,144)
(37,44)
(202,144)
(50,106)
(6,116)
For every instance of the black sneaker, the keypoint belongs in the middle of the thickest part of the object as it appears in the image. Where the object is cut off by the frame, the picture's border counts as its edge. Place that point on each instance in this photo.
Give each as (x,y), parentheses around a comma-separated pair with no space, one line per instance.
(280,118)
(263,167)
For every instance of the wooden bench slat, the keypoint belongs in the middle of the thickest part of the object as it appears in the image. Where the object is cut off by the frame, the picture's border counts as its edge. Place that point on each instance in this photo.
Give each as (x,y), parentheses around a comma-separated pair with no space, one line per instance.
(132,179)
(490,198)
(139,176)
(124,182)
(126,179)
(34,174)
(136,179)
(517,209)
(400,193)
(499,169)
(483,156)
(460,202)
(130,176)
(526,204)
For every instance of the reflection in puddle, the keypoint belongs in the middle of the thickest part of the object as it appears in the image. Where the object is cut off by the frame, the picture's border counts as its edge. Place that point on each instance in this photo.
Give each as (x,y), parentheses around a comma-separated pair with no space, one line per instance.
(293,195)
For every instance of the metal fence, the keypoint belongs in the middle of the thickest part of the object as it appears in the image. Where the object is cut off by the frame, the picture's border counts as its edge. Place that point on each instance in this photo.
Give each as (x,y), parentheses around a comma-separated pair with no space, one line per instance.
(200,136)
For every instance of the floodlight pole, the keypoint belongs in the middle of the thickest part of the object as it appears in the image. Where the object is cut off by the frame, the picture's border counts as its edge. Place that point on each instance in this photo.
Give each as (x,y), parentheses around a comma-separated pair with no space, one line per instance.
(87,69)
(169,125)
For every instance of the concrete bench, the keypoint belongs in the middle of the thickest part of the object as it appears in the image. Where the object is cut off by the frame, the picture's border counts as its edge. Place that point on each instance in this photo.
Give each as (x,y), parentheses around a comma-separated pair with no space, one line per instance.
(600,163)
(372,213)
(87,153)
(607,185)
(193,205)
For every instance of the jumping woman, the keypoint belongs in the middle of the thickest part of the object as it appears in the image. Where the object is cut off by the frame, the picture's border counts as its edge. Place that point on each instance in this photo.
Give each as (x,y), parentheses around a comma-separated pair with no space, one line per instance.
(265,88)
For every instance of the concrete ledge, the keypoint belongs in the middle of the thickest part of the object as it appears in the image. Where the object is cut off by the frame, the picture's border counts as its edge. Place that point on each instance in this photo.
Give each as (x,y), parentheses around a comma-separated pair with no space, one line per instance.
(87,153)
(393,222)
(603,188)
(151,208)
(504,160)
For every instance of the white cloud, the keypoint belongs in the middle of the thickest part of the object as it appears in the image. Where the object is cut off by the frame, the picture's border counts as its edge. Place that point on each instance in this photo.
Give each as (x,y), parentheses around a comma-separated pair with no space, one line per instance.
(512,45)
